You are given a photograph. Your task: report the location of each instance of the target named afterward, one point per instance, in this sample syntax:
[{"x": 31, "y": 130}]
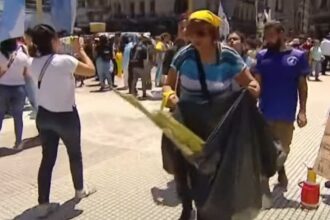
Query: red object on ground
[{"x": 310, "y": 195}]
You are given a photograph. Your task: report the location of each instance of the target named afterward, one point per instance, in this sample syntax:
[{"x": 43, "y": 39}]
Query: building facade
[
  {"x": 163, "y": 12},
  {"x": 144, "y": 15},
  {"x": 320, "y": 17},
  {"x": 244, "y": 17}
]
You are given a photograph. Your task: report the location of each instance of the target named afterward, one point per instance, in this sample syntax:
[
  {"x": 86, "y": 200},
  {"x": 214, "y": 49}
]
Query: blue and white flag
[
  {"x": 224, "y": 28},
  {"x": 12, "y": 19},
  {"x": 63, "y": 14}
]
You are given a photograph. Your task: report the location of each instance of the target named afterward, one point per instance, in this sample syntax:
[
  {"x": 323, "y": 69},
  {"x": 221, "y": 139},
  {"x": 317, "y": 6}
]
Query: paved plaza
[{"x": 122, "y": 159}]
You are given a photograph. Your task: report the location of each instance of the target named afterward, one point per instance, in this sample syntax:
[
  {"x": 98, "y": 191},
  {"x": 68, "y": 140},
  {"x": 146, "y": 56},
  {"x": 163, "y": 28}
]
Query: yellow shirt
[{"x": 119, "y": 61}]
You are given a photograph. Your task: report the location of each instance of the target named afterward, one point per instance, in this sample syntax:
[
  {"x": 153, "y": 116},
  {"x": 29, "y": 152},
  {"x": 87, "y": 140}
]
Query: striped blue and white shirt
[{"x": 219, "y": 76}]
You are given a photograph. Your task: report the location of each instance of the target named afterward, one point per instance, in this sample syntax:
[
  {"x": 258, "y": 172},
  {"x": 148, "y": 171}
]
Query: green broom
[{"x": 188, "y": 142}]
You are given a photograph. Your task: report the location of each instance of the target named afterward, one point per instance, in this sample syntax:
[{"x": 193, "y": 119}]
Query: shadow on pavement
[
  {"x": 93, "y": 85},
  {"x": 166, "y": 197},
  {"x": 280, "y": 202},
  {"x": 5, "y": 151},
  {"x": 26, "y": 144},
  {"x": 65, "y": 212}
]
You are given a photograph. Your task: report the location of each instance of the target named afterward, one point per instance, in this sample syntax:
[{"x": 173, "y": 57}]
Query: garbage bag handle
[{"x": 230, "y": 111}]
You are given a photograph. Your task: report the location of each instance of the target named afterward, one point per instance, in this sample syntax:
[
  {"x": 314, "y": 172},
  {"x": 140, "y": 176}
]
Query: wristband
[{"x": 166, "y": 96}]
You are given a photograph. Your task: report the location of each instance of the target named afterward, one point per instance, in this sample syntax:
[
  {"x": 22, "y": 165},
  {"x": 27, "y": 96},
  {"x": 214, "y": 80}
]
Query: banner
[
  {"x": 12, "y": 19},
  {"x": 63, "y": 14},
  {"x": 225, "y": 28}
]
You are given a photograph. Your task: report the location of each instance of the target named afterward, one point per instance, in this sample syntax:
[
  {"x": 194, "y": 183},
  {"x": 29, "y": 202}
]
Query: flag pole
[
  {"x": 190, "y": 6},
  {"x": 39, "y": 10}
]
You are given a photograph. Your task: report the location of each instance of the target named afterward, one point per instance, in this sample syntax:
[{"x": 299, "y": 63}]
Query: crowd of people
[{"x": 195, "y": 68}]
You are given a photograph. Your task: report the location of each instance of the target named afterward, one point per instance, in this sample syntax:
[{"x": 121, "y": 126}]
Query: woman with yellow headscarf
[{"x": 199, "y": 72}]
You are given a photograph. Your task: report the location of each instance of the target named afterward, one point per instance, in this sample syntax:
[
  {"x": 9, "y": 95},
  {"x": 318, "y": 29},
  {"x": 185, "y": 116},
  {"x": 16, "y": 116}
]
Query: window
[
  {"x": 81, "y": 3},
  {"x": 324, "y": 4},
  {"x": 180, "y": 6},
  {"x": 208, "y": 5},
  {"x": 142, "y": 9},
  {"x": 152, "y": 7},
  {"x": 132, "y": 9},
  {"x": 119, "y": 8},
  {"x": 279, "y": 5}
]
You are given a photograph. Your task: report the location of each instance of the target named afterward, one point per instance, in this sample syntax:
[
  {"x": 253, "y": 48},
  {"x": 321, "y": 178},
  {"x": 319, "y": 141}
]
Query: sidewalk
[{"x": 122, "y": 159}]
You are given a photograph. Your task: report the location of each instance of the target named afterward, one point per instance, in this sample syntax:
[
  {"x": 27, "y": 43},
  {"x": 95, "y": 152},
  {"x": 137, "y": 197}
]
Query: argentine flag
[
  {"x": 63, "y": 14},
  {"x": 12, "y": 19}
]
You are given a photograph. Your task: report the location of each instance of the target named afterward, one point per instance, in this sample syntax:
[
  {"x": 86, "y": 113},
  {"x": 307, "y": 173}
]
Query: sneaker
[
  {"x": 87, "y": 191},
  {"x": 327, "y": 184},
  {"x": 19, "y": 146},
  {"x": 44, "y": 210},
  {"x": 122, "y": 88},
  {"x": 142, "y": 98}
]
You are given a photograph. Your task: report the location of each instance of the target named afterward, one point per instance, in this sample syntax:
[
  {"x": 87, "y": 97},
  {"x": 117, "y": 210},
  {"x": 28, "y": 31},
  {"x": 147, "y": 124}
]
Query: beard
[{"x": 274, "y": 46}]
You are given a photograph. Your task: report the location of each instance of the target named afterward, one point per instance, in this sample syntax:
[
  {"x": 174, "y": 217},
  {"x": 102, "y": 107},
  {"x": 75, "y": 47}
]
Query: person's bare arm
[
  {"x": 2, "y": 72},
  {"x": 170, "y": 84},
  {"x": 170, "y": 80},
  {"x": 25, "y": 72},
  {"x": 258, "y": 78},
  {"x": 303, "y": 94},
  {"x": 85, "y": 66},
  {"x": 246, "y": 80}
]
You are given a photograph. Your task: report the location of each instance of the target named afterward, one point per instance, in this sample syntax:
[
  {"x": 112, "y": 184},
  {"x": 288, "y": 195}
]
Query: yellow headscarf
[{"x": 207, "y": 16}]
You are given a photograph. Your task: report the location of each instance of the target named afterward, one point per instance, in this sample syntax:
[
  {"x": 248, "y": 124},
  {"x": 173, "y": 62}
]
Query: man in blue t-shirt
[{"x": 282, "y": 72}]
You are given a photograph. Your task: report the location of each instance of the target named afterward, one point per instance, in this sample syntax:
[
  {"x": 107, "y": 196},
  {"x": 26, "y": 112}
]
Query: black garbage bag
[{"x": 239, "y": 150}]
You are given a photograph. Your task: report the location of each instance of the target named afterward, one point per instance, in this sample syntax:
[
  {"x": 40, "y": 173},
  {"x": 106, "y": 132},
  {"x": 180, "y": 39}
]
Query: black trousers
[
  {"x": 52, "y": 127},
  {"x": 325, "y": 63},
  {"x": 115, "y": 71},
  {"x": 130, "y": 78}
]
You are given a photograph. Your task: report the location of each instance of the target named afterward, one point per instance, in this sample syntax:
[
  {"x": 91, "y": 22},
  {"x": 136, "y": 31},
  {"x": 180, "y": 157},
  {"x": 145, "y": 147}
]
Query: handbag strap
[
  {"x": 43, "y": 70},
  {"x": 202, "y": 74}
]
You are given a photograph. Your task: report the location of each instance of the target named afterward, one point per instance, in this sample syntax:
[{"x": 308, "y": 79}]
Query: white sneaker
[
  {"x": 87, "y": 191},
  {"x": 19, "y": 146},
  {"x": 44, "y": 210}
]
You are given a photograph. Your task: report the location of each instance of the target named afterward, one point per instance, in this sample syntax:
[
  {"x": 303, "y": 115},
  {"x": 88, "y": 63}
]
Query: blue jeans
[
  {"x": 159, "y": 73},
  {"x": 31, "y": 89},
  {"x": 12, "y": 99},
  {"x": 103, "y": 71},
  {"x": 316, "y": 68}
]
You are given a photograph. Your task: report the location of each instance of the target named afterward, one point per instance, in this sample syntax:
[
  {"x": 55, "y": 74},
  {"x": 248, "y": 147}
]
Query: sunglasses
[{"x": 200, "y": 33}]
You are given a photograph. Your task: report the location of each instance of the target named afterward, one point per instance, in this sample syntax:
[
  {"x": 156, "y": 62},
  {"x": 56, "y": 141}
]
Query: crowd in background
[{"x": 132, "y": 56}]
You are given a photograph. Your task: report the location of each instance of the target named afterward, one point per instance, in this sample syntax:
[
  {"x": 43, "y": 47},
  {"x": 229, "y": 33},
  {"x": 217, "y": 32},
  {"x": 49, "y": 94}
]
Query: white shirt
[
  {"x": 325, "y": 47},
  {"x": 13, "y": 75},
  {"x": 57, "y": 88}
]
